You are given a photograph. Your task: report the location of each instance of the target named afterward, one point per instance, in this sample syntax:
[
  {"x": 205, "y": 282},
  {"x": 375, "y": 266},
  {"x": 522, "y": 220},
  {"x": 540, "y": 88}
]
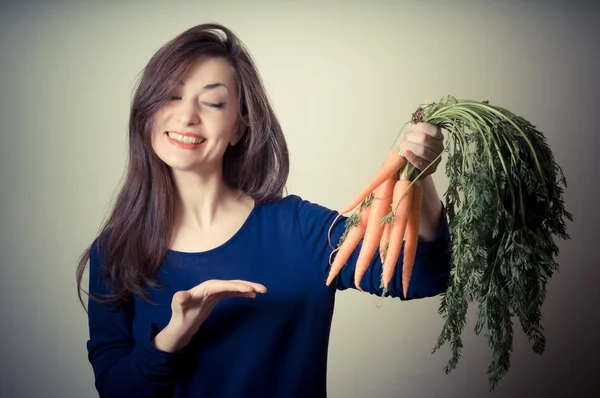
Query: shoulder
[
  {"x": 297, "y": 213},
  {"x": 297, "y": 206},
  {"x": 97, "y": 252}
]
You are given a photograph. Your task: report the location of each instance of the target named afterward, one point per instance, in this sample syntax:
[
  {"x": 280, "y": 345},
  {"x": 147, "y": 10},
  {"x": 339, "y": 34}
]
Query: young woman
[{"x": 206, "y": 281}]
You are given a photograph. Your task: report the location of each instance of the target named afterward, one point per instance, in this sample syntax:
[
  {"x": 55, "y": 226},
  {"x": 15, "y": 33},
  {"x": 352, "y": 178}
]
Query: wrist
[
  {"x": 431, "y": 210},
  {"x": 172, "y": 338}
]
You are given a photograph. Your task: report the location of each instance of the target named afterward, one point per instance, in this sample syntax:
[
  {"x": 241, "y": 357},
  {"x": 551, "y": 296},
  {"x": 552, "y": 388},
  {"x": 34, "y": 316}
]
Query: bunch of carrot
[
  {"x": 388, "y": 210},
  {"x": 504, "y": 204}
]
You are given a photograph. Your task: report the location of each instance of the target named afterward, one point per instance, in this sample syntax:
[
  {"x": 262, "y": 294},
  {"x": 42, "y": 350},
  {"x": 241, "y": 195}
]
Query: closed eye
[{"x": 217, "y": 105}]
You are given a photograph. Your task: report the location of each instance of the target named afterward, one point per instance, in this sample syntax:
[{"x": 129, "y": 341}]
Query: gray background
[{"x": 343, "y": 79}]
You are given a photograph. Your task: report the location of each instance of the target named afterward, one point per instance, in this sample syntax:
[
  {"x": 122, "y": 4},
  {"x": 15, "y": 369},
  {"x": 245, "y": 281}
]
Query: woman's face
[{"x": 192, "y": 131}]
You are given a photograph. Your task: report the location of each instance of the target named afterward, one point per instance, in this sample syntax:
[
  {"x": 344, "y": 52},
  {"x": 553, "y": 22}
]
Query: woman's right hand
[{"x": 190, "y": 308}]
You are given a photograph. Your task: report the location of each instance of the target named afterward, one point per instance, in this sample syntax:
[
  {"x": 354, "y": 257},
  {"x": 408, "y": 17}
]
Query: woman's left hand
[{"x": 421, "y": 144}]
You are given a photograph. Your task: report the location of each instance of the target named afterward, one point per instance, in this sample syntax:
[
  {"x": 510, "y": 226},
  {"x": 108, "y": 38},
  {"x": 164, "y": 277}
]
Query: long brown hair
[{"x": 136, "y": 235}]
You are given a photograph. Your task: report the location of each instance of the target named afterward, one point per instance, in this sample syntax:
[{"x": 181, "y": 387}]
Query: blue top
[{"x": 275, "y": 345}]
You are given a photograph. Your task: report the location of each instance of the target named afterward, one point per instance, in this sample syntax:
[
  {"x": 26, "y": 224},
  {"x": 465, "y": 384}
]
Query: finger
[
  {"x": 419, "y": 163},
  {"x": 256, "y": 285},
  {"x": 426, "y": 154},
  {"x": 259, "y": 288},
  {"x": 223, "y": 295},
  {"x": 429, "y": 129},
  {"x": 225, "y": 287},
  {"x": 431, "y": 147},
  {"x": 422, "y": 137},
  {"x": 181, "y": 301},
  {"x": 212, "y": 298},
  {"x": 182, "y": 298},
  {"x": 216, "y": 288},
  {"x": 208, "y": 298}
]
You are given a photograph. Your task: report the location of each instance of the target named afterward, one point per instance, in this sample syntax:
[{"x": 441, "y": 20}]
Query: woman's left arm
[{"x": 321, "y": 229}]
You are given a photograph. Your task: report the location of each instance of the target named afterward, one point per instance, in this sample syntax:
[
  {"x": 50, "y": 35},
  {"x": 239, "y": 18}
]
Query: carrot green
[{"x": 504, "y": 204}]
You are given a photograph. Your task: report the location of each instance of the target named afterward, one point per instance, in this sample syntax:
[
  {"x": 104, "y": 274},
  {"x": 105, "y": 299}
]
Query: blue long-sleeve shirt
[{"x": 275, "y": 345}]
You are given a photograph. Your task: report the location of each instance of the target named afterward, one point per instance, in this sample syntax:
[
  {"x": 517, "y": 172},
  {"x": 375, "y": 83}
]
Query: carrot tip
[{"x": 330, "y": 279}]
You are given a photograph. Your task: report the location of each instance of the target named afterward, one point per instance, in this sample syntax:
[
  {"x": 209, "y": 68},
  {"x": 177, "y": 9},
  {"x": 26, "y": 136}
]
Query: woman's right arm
[{"x": 123, "y": 367}]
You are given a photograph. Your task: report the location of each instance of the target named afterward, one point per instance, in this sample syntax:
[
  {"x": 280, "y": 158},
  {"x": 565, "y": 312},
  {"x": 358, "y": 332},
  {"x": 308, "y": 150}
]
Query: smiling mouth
[{"x": 186, "y": 138}]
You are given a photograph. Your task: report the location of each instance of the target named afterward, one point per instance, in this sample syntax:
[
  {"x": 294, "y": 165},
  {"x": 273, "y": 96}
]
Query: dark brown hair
[{"x": 136, "y": 235}]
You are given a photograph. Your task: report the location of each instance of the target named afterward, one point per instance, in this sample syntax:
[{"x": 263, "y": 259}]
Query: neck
[{"x": 200, "y": 198}]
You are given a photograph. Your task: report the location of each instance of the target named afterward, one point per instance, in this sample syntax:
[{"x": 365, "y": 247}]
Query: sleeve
[
  {"x": 122, "y": 365},
  {"x": 430, "y": 272}
]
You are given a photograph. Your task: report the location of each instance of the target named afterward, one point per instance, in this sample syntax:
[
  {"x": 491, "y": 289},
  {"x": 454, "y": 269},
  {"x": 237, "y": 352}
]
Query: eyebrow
[{"x": 210, "y": 86}]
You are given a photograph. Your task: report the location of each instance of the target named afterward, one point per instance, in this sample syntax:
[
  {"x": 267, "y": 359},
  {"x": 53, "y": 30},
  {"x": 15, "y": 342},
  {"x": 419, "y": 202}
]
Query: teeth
[{"x": 185, "y": 139}]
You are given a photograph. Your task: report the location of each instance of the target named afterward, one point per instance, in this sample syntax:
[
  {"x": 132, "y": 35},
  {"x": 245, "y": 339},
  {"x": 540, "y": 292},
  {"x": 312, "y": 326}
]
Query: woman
[{"x": 206, "y": 281}]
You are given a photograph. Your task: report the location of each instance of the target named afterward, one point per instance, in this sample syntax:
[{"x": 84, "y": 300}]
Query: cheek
[
  {"x": 155, "y": 139},
  {"x": 235, "y": 128},
  {"x": 157, "y": 133},
  {"x": 158, "y": 143}
]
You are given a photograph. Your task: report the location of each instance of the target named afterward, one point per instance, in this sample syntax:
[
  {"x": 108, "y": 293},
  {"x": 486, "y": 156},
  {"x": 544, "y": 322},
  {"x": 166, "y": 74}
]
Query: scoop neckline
[{"x": 225, "y": 244}]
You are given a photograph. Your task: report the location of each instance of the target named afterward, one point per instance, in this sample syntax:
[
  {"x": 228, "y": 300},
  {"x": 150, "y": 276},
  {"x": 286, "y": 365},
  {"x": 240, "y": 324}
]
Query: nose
[{"x": 188, "y": 114}]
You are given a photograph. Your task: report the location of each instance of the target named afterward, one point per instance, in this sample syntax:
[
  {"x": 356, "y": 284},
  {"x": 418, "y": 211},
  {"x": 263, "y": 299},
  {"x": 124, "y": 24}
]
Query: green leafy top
[{"x": 504, "y": 203}]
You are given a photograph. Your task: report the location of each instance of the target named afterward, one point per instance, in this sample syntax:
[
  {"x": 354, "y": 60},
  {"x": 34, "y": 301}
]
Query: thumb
[{"x": 182, "y": 298}]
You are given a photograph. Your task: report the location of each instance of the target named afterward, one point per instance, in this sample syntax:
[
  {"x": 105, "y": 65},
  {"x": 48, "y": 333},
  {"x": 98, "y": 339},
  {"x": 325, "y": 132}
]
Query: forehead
[{"x": 209, "y": 70}]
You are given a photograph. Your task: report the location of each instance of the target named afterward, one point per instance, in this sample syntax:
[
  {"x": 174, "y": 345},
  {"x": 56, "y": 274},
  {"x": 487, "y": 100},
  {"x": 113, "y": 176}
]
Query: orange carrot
[
  {"x": 412, "y": 235},
  {"x": 385, "y": 240},
  {"x": 385, "y": 236},
  {"x": 392, "y": 164},
  {"x": 382, "y": 199},
  {"x": 355, "y": 234},
  {"x": 401, "y": 202}
]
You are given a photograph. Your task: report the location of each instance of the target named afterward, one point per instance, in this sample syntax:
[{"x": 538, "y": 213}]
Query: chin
[{"x": 180, "y": 165}]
